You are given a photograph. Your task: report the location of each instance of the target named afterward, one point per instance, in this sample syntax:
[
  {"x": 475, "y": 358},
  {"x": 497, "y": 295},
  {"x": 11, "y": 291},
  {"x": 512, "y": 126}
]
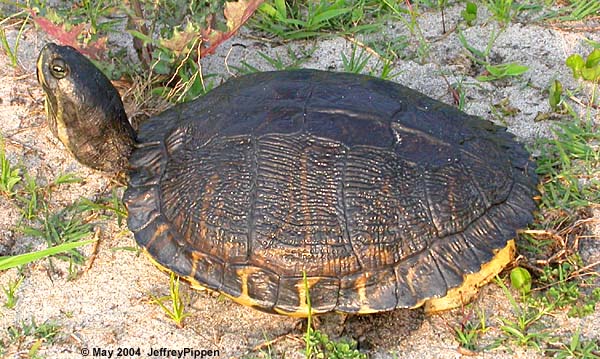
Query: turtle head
[{"x": 84, "y": 110}]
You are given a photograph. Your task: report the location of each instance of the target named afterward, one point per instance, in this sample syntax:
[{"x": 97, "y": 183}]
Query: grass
[
  {"x": 62, "y": 231},
  {"x": 29, "y": 201},
  {"x": 64, "y": 226},
  {"x": 479, "y": 56},
  {"x": 62, "y": 235},
  {"x": 12, "y": 52},
  {"x": 293, "y": 59},
  {"x": 28, "y": 337},
  {"x": 575, "y": 10},
  {"x": 491, "y": 72},
  {"x": 527, "y": 327},
  {"x": 303, "y": 20},
  {"x": 576, "y": 347},
  {"x": 10, "y": 291},
  {"x": 357, "y": 61},
  {"x": 176, "y": 310},
  {"x": 47, "y": 331},
  {"x": 568, "y": 166},
  {"x": 310, "y": 344},
  {"x": 10, "y": 175},
  {"x": 564, "y": 288},
  {"x": 111, "y": 207},
  {"x": 504, "y": 11},
  {"x": 469, "y": 332},
  {"x": 400, "y": 14}
]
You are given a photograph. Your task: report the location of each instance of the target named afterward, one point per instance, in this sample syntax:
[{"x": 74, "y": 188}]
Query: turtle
[{"x": 362, "y": 193}]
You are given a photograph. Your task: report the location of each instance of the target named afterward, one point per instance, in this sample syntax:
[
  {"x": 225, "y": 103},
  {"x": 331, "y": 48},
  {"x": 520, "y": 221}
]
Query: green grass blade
[
  {"x": 8, "y": 262},
  {"x": 328, "y": 15},
  {"x": 281, "y": 8}
]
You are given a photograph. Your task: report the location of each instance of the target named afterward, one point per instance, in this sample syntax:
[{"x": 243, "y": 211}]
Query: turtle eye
[{"x": 58, "y": 68}]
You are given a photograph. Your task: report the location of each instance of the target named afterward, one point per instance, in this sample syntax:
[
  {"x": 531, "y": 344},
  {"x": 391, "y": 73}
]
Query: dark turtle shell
[{"x": 381, "y": 195}]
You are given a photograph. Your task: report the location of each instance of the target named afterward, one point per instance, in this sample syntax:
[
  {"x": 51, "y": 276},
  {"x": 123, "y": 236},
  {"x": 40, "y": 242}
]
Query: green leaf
[
  {"x": 267, "y": 9},
  {"x": 503, "y": 70},
  {"x": 515, "y": 69},
  {"x": 145, "y": 38},
  {"x": 162, "y": 67},
  {"x": 67, "y": 178},
  {"x": 495, "y": 70},
  {"x": 520, "y": 279},
  {"x": 555, "y": 92},
  {"x": 477, "y": 53},
  {"x": 593, "y": 58},
  {"x": 575, "y": 63},
  {"x": 591, "y": 74}
]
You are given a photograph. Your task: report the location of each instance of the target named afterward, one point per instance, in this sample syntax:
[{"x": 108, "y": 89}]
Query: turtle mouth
[
  {"x": 41, "y": 66},
  {"x": 39, "y": 72}
]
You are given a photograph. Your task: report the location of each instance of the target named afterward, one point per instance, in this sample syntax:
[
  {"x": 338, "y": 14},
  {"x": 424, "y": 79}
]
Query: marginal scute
[
  {"x": 324, "y": 293},
  {"x": 291, "y": 295},
  {"x": 368, "y": 292},
  {"x": 405, "y": 291},
  {"x": 207, "y": 270},
  {"x": 143, "y": 206},
  {"x": 451, "y": 263},
  {"x": 464, "y": 293},
  {"x": 473, "y": 241},
  {"x": 253, "y": 286},
  {"x": 158, "y": 239},
  {"x": 423, "y": 276},
  {"x": 456, "y": 256}
]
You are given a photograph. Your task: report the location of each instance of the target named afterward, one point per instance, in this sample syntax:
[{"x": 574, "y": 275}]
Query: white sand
[{"x": 108, "y": 307}]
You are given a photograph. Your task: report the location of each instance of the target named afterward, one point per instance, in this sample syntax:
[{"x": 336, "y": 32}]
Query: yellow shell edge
[
  {"x": 455, "y": 297},
  {"x": 462, "y": 295}
]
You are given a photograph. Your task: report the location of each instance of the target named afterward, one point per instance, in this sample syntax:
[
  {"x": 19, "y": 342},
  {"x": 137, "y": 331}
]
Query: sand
[{"x": 109, "y": 306}]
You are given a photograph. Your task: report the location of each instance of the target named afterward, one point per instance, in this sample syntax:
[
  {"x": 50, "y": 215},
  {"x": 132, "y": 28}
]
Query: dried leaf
[
  {"x": 236, "y": 13},
  {"x": 180, "y": 40}
]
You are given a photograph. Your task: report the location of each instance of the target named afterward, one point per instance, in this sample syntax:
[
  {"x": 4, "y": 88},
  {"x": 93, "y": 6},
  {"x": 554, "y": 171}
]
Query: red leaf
[{"x": 58, "y": 32}]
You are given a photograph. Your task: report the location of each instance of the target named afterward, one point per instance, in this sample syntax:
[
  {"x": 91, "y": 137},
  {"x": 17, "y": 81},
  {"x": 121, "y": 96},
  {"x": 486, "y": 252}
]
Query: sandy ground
[{"x": 108, "y": 306}]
